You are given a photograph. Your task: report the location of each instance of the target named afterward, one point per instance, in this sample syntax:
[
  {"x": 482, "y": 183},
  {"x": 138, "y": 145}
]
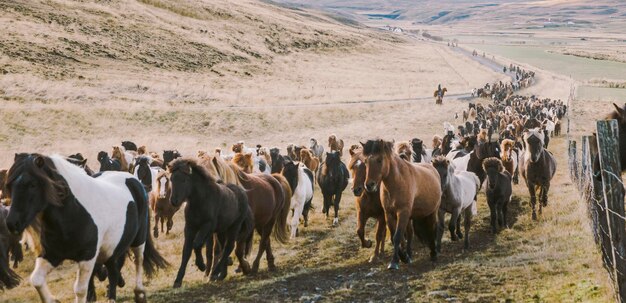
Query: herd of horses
[{"x": 98, "y": 218}]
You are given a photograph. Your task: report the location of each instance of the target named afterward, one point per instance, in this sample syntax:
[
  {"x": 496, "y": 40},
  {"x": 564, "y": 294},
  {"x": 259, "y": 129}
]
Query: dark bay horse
[
  {"x": 482, "y": 151},
  {"x": 332, "y": 178},
  {"x": 499, "y": 190},
  {"x": 212, "y": 207},
  {"x": 407, "y": 191},
  {"x": 537, "y": 166},
  {"x": 108, "y": 164},
  {"x": 368, "y": 205}
]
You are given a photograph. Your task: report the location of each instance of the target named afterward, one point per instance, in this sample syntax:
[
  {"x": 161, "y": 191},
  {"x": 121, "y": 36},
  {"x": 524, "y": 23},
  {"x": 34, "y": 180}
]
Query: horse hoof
[
  {"x": 177, "y": 284},
  {"x": 156, "y": 234},
  {"x": 393, "y": 266},
  {"x": 271, "y": 267},
  {"x": 201, "y": 266},
  {"x": 238, "y": 269},
  {"x": 335, "y": 221},
  {"x": 405, "y": 258},
  {"x": 121, "y": 282},
  {"x": 373, "y": 259},
  {"x": 140, "y": 296},
  {"x": 368, "y": 244},
  {"x": 454, "y": 238},
  {"x": 230, "y": 261},
  {"x": 306, "y": 223},
  {"x": 534, "y": 216},
  {"x": 244, "y": 268}
]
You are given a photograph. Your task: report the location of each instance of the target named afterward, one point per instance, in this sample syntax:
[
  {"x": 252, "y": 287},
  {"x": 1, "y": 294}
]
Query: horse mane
[
  {"x": 482, "y": 135},
  {"x": 142, "y": 150},
  {"x": 405, "y": 150},
  {"x": 305, "y": 154},
  {"x": 55, "y": 188},
  {"x": 243, "y": 160},
  {"x": 118, "y": 153},
  {"x": 184, "y": 164},
  {"x": 356, "y": 156},
  {"x": 355, "y": 148},
  {"x": 493, "y": 162},
  {"x": 504, "y": 146},
  {"x": 380, "y": 146}
]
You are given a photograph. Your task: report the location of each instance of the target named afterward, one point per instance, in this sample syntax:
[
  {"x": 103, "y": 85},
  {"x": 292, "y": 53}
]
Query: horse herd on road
[{"x": 97, "y": 218}]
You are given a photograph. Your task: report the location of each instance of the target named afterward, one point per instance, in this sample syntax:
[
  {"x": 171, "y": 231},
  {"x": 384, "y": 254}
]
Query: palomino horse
[
  {"x": 160, "y": 204},
  {"x": 498, "y": 191},
  {"x": 300, "y": 181},
  {"x": 270, "y": 207},
  {"x": 407, "y": 191},
  {"x": 368, "y": 205},
  {"x": 219, "y": 169},
  {"x": 439, "y": 95},
  {"x": 212, "y": 207},
  {"x": 332, "y": 178},
  {"x": 89, "y": 220},
  {"x": 459, "y": 189},
  {"x": 537, "y": 166}
]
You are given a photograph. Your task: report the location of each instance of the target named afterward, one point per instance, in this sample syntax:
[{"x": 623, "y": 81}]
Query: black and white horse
[{"x": 92, "y": 221}]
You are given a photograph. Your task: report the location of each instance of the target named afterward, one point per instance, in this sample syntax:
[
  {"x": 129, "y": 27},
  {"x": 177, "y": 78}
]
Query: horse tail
[
  {"x": 477, "y": 182},
  {"x": 152, "y": 259},
  {"x": 281, "y": 233}
]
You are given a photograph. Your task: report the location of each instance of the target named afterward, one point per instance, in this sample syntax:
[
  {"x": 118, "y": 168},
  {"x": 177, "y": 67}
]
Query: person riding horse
[{"x": 439, "y": 91}]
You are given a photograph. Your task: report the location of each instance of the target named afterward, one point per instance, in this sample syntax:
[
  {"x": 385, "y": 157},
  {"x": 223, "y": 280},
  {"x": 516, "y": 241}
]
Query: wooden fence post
[
  {"x": 613, "y": 191},
  {"x": 586, "y": 173},
  {"x": 573, "y": 163}
]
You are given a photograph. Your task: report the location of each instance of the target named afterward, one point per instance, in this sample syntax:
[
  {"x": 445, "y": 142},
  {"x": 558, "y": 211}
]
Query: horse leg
[
  {"x": 209, "y": 254},
  {"x": 222, "y": 265},
  {"x": 544, "y": 194},
  {"x": 187, "y": 248},
  {"x": 391, "y": 223},
  {"x": 493, "y": 210},
  {"x": 427, "y": 229},
  {"x": 270, "y": 256},
  {"x": 361, "y": 219},
  {"x": 336, "y": 205},
  {"x": 155, "y": 229},
  {"x": 407, "y": 254},
  {"x": 327, "y": 201},
  {"x": 441, "y": 215},
  {"x": 91, "y": 288},
  {"x": 458, "y": 227},
  {"x": 452, "y": 225},
  {"x": 85, "y": 268},
  {"x": 295, "y": 219},
  {"x": 170, "y": 224},
  {"x": 263, "y": 232},
  {"x": 467, "y": 222},
  {"x": 504, "y": 209},
  {"x": 38, "y": 279},
  {"x": 241, "y": 258},
  {"x": 113, "y": 273},
  {"x": 381, "y": 231},
  {"x": 533, "y": 199},
  {"x": 140, "y": 291}
]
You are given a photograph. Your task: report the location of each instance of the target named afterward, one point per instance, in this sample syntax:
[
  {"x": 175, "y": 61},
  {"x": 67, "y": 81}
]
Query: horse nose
[{"x": 357, "y": 190}]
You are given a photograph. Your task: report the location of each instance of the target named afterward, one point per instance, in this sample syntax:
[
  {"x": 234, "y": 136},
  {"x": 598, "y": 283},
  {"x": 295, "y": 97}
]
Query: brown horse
[
  {"x": 160, "y": 204},
  {"x": 310, "y": 161},
  {"x": 244, "y": 161},
  {"x": 537, "y": 166},
  {"x": 118, "y": 154},
  {"x": 408, "y": 192},
  {"x": 270, "y": 206},
  {"x": 335, "y": 144},
  {"x": 405, "y": 150},
  {"x": 368, "y": 205}
]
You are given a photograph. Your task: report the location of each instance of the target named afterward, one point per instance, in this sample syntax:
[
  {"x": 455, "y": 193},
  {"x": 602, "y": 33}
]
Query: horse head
[
  {"x": 534, "y": 144},
  {"x": 181, "y": 171},
  {"x": 164, "y": 187},
  {"x": 444, "y": 168},
  {"x": 492, "y": 167},
  {"x": 33, "y": 183},
  {"x": 378, "y": 154},
  {"x": 358, "y": 170}
]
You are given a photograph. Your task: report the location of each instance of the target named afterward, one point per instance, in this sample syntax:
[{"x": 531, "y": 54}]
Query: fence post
[
  {"x": 613, "y": 191},
  {"x": 573, "y": 163},
  {"x": 586, "y": 173}
]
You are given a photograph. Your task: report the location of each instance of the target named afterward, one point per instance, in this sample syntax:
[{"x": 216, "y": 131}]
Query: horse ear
[
  {"x": 190, "y": 170},
  {"x": 38, "y": 161},
  {"x": 83, "y": 162},
  {"x": 620, "y": 111},
  {"x": 351, "y": 152}
]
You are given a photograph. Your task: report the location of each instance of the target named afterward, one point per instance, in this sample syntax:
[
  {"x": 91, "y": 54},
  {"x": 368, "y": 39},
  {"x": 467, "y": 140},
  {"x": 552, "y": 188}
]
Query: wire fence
[{"x": 597, "y": 174}]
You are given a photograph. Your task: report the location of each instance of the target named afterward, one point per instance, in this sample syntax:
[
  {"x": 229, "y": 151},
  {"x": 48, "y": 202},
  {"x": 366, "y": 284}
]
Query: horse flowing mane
[
  {"x": 506, "y": 145},
  {"x": 372, "y": 147},
  {"x": 185, "y": 164},
  {"x": 44, "y": 170},
  {"x": 493, "y": 162}
]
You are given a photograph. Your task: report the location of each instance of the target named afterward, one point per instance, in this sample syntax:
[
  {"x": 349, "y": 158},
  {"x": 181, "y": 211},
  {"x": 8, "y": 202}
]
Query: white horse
[
  {"x": 300, "y": 180},
  {"x": 459, "y": 189},
  {"x": 460, "y": 163}
]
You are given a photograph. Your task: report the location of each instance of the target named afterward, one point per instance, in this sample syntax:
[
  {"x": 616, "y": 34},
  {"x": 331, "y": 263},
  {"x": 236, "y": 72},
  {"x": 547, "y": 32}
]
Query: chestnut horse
[
  {"x": 368, "y": 205},
  {"x": 270, "y": 206},
  {"x": 160, "y": 203},
  {"x": 408, "y": 192},
  {"x": 335, "y": 144},
  {"x": 310, "y": 161}
]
